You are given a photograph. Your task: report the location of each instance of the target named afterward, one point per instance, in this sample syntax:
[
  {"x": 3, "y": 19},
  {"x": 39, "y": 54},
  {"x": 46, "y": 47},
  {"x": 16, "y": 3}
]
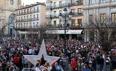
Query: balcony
[
  {"x": 66, "y": 5},
  {"x": 76, "y": 14},
  {"x": 76, "y": 26},
  {"x": 57, "y": 6},
  {"x": 35, "y": 19},
  {"x": 17, "y": 20},
  {"x": 55, "y": 16},
  {"x": 52, "y": 16},
  {"x": 25, "y": 13},
  {"x": 76, "y": 3},
  {"x": 60, "y": 26},
  {"x": 27, "y": 20},
  {"x": 25, "y": 26},
  {"x": 49, "y": 5},
  {"x": 50, "y": 26}
]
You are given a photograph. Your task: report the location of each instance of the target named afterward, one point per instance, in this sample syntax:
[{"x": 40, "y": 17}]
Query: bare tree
[
  {"x": 2, "y": 30},
  {"x": 104, "y": 31}
]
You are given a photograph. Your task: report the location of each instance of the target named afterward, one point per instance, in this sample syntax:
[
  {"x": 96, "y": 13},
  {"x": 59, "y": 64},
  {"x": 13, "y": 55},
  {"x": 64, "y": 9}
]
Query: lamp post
[{"x": 65, "y": 16}]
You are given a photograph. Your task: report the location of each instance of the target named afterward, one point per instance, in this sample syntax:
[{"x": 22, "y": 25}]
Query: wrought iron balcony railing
[
  {"x": 76, "y": 14},
  {"x": 27, "y": 20},
  {"x": 62, "y": 5},
  {"x": 52, "y": 16},
  {"x": 60, "y": 26}
]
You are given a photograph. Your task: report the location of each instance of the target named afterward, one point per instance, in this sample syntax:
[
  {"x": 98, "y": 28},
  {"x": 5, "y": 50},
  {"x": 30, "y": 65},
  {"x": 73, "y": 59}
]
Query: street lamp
[{"x": 66, "y": 16}]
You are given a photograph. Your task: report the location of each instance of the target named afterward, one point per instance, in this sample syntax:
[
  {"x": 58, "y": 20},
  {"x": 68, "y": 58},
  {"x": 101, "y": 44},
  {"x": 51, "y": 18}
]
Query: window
[
  {"x": 103, "y": 18},
  {"x": 37, "y": 17},
  {"x": 60, "y": 11},
  {"x": 113, "y": 15},
  {"x": 50, "y": 2},
  {"x": 103, "y": 1},
  {"x": 11, "y": 2},
  {"x": 30, "y": 10},
  {"x": 79, "y": 22},
  {"x": 24, "y": 11},
  {"x": 55, "y": 23},
  {"x": 37, "y": 9},
  {"x": 19, "y": 2},
  {"x": 73, "y": 10},
  {"x": 27, "y": 16},
  {"x": 91, "y": 34},
  {"x": 90, "y": 19},
  {"x": 16, "y": 25},
  {"x": 24, "y": 25},
  {"x": 80, "y": 2},
  {"x": 60, "y": 3},
  {"x": 73, "y": 22},
  {"x": 60, "y": 21},
  {"x": 54, "y": 13},
  {"x": 21, "y": 18},
  {"x": 19, "y": 12},
  {"x": 34, "y": 10},
  {"x": 54, "y": 4},
  {"x": 92, "y": 2},
  {"x": 37, "y": 23},
  {"x": 33, "y": 16},
  {"x": 27, "y": 11},
  {"x": 24, "y": 17},
  {"x": 21, "y": 25},
  {"x": 79, "y": 10},
  {"x": 30, "y": 17},
  {"x": 33, "y": 25}
]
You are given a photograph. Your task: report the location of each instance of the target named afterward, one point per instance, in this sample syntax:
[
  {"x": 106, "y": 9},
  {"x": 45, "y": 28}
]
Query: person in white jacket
[{"x": 37, "y": 68}]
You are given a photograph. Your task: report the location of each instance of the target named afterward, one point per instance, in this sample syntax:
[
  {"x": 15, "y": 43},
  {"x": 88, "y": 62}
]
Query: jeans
[{"x": 99, "y": 67}]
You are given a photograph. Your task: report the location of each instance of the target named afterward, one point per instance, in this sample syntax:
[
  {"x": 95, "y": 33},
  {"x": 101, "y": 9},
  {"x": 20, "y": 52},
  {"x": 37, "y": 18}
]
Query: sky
[{"x": 27, "y": 2}]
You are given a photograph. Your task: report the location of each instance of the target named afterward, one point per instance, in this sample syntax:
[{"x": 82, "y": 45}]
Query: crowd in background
[{"x": 74, "y": 56}]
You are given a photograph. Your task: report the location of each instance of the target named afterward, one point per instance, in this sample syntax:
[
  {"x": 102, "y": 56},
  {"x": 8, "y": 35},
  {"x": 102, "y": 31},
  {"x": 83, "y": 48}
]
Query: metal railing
[
  {"x": 29, "y": 12},
  {"x": 60, "y": 26},
  {"x": 53, "y": 16},
  {"x": 27, "y": 20},
  {"x": 76, "y": 3},
  {"x": 76, "y": 14},
  {"x": 62, "y": 5}
]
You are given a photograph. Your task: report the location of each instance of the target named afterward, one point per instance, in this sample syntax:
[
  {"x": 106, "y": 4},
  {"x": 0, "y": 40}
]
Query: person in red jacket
[
  {"x": 17, "y": 60},
  {"x": 74, "y": 64}
]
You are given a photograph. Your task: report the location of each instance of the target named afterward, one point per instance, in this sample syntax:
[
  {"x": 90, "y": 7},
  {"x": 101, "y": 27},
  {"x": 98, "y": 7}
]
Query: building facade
[
  {"x": 77, "y": 13},
  {"x": 55, "y": 7},
  {"x": 99, "y": 19},
  {"x": 7, "y": 7},
  {"x": 30, "y": 18}
]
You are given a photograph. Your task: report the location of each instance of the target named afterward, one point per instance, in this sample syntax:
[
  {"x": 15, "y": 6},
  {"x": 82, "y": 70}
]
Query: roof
[{"x": 32, "y": 5}]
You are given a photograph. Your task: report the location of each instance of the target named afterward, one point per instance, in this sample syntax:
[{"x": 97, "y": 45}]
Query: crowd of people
[
  {"x": 74, "y": 56},
  {"x": 81, "y": 56}
]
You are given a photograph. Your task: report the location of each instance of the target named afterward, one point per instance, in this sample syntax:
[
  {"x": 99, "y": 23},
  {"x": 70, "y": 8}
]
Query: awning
[
  {"x": 27, "y": 32},
  {"x": 62, "y": 31}
]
